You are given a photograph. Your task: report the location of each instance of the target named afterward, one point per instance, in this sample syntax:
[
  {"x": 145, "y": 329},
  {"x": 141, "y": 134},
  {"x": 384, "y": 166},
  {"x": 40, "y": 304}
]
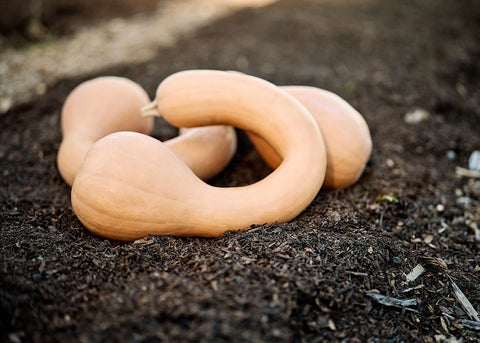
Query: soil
[{"x": 316, "y": 278}]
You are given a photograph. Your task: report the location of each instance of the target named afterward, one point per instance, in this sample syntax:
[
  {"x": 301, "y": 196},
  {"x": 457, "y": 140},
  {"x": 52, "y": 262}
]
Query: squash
[
  {"x": 110, "y": 104},
  {"x": 206, "y": 150},
  {"x": 344, "y": 130},
  {"x": 93, "y": 110},
  {"x": 131, "y": 185}
]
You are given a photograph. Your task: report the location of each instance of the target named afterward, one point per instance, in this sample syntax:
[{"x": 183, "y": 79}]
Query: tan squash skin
[
  {"x": 206, "y": 150},
  {"x": 93, "y": 110},
  {"x": 345, "y": 133},
  {"x": 130, "y": 185},
  {"x": 104, "y": 105}
]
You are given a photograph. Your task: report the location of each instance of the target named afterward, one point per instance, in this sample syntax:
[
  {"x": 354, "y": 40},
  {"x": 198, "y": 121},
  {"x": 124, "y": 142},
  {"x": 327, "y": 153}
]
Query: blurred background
[
  {"x": 36, "y": 19},
  {"x": 42, "y": 41}
]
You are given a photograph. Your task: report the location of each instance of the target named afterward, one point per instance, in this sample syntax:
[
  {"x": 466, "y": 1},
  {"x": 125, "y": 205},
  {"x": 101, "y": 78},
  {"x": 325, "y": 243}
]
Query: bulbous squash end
[{"x": 70, "y": 156}]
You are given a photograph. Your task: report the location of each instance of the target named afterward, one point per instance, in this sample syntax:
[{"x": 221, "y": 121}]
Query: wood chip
[
  {"x": 444, "y": 323},
  {"x": 469, "y": 324},
  {"x": 394, "y": 302},
  {"x": 214, "y": 284},
  {"x": 467, "y": 172},
  {"x": 331, "y": 325},
  {"x": 435, "y": 262},
  {"x": 464, "y": 302},
  {"x": 143, "y": 241},
  {"x": 415, "y": 273},
  {"x": 475, "y": 229},
  {"x": 413, "y": 288},
  {"x": 356, "y": 273},
  {"x": 41, "y": 269}
]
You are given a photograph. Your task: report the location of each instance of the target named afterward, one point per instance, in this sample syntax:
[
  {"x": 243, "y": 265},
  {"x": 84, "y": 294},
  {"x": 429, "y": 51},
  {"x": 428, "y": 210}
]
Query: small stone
[
  {"x": 390, "y": 163},
  {"x": 416, "y": 116},
  {"x": 440, "y": 208},
  {"x": 451, "y": 155},
  {"x": 474, "y": 161}
]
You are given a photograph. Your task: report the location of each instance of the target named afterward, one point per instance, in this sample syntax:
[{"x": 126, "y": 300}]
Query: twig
[
  {"x": 389, "y": 301},
  {"x": 356, "y": 273},
  {"x": 415, "y": 273},
  {"x": 413, "y": 288},
  {"x": 464, "y": 302},
  {"x": 469, "y": 324},
  {"x": 467, "y": 172}
]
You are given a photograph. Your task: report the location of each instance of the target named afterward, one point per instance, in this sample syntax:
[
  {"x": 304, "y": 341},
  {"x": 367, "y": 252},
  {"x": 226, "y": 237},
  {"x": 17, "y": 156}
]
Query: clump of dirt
[{"x": 338, "y": 272}]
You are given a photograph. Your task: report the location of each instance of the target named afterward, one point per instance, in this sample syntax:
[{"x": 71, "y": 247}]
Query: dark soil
[{"x": 303, "y": 281}]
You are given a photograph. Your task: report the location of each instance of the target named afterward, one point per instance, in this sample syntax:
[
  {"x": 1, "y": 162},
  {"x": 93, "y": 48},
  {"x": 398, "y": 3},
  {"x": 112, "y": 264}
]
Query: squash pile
[{"x": 127, "y": 184}]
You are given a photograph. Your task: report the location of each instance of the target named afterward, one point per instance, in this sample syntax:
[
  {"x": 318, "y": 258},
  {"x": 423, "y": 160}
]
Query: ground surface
[{"x": 313, "y": 279}]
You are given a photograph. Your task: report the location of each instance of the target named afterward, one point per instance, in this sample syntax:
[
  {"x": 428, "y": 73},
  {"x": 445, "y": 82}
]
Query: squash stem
[{"x": 150, "y": 110}]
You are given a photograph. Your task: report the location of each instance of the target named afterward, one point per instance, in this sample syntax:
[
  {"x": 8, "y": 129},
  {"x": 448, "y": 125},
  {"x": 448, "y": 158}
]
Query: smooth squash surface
[
  {"x": 93, "y": 110},
  {"x": 346, "y": 135},
  {"x": 109, "y": 104},
  {"x": 131, "y": 185},
  {"x": 206, "y": 150}
]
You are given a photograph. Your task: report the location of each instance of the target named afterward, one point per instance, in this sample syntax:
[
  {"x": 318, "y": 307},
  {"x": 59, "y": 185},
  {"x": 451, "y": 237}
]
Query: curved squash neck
[{"x": 260, "y": 107}]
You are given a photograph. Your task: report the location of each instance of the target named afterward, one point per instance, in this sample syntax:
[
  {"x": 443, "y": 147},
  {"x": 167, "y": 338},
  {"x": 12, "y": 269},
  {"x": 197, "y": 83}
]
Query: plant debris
[
  {"x": 389, "y": 301},
  {"x": 460, "y": 171},
  {"x": 464, "y": 302},
  {"x": 415, "y": 273}
]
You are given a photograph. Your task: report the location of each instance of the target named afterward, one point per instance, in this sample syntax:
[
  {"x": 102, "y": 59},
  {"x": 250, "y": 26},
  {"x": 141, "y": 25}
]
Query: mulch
[{"x": 340, "y": 270}]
